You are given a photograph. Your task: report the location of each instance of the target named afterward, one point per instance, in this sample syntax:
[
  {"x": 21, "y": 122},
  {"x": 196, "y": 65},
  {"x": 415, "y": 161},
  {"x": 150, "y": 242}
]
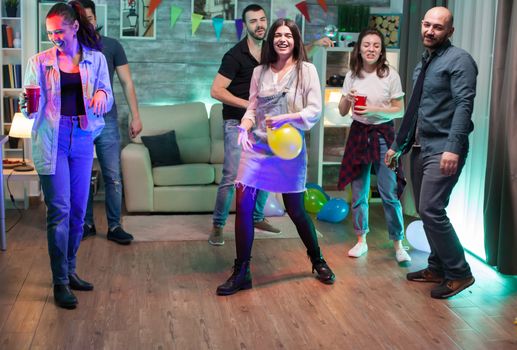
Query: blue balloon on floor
[
  {"x": 317, "y": 187},
  {"x": 335, "y": 210}
]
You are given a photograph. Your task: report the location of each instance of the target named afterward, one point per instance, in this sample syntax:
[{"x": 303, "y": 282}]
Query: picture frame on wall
[
  {"x": 225, "y": 9},
  {"x": 287, "y": 9},
  {"x": 389, "y": 25},
  {"x": 134, "y": 22}
]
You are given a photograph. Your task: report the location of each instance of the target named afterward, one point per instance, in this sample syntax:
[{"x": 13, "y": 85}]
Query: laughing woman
[
  {"x": 75, "y": 94},
  {"x": 286, "y": 87}
]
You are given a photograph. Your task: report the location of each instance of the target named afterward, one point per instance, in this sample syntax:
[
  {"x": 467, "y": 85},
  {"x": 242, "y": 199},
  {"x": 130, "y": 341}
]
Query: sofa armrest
[{"x": 138, "y": 178}]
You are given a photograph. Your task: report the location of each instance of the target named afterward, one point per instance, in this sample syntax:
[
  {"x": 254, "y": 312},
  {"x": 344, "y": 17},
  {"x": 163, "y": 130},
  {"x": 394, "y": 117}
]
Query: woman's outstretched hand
[{"x": 243, "y": 139}]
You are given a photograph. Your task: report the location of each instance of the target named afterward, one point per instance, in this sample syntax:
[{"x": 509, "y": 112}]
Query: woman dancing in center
[{"x": 286, "y": 87}]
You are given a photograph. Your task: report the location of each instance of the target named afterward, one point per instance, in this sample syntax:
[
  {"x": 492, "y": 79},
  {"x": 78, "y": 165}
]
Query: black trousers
[{"x": 244, "y": 230}]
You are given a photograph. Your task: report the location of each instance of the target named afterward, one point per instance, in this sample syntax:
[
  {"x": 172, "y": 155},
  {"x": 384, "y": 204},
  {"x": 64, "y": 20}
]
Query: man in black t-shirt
[
  {"x": 107, "y": 144},
  {"x": 231, "y": 86}
]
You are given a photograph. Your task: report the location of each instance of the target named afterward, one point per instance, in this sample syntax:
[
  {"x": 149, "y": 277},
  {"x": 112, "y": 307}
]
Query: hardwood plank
[
  {"x": 15, "y": 341},
  {"x": 24, "y": 317}
]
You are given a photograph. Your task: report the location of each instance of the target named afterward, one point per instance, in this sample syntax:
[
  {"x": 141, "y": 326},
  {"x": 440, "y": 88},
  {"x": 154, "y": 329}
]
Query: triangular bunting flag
[
  {"x": 175, "y": 14},
  {"x": 152, "y": 6},
  {"x": 218, "y": 22},
  {"x": 304, "y": 9},
  {"x": 196, "y": 21},
  {"x": 238, "y": 27},
  {"x": 323, "y": 5}
]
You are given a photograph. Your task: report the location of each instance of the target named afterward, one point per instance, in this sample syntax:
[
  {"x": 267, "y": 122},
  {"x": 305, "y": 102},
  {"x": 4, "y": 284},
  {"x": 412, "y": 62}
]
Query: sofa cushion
[
  {"x": 183, "y": 175},
  {"x": 163, "y": 149},
  {"x": 188, "y": 120}
]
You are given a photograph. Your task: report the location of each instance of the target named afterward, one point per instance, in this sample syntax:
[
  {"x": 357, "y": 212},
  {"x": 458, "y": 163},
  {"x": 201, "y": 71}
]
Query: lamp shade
[{"x": 21, "y": 127}]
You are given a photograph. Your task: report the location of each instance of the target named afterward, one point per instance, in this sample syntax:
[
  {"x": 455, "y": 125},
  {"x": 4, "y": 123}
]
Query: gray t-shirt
[{"x": 115, "y": 56}]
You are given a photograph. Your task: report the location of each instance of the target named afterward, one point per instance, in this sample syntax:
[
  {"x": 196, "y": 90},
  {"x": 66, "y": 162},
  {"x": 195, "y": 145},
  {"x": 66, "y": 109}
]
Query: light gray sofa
[{"x": 188, "y": 187}]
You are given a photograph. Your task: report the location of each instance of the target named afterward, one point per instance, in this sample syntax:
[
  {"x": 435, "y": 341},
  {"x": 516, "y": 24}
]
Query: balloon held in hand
[{"x": 285, "y": 142}]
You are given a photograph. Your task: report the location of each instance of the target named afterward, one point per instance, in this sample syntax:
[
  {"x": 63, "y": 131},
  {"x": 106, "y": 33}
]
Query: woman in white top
[
  {"x": 371, "y": 134},
  {"x": 286, "y": 87}
]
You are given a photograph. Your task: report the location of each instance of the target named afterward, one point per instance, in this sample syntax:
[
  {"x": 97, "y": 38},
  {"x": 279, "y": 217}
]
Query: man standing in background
[{"x": 107, "y": 144}]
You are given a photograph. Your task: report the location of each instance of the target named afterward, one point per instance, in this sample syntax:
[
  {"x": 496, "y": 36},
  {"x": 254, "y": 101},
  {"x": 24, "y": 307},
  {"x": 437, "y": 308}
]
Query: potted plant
[{"x": 11, "y": 7}]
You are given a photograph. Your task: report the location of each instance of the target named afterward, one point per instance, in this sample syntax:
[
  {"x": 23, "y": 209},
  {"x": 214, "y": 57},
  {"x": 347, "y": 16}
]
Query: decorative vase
[{"x": 17, "y": 42}]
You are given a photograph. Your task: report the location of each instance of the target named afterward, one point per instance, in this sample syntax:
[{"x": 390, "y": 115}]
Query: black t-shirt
[
  {"x": 115, "y": 56},
  {"x": 237, "y": 65}
]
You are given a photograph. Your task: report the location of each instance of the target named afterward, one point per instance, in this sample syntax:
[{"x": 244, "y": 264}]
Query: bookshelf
[
  {"x": 25, "y": 24},
  {"x": 12, "y": 63}
]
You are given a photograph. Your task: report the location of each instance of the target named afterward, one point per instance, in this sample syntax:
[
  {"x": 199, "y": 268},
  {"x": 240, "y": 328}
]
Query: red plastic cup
[
  {"x": 33, "y": 93},
  {"x": 359, "y": 100}
]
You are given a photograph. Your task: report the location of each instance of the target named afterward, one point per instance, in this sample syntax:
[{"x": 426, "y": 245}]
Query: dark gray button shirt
[{"x": 445, "y": 111}]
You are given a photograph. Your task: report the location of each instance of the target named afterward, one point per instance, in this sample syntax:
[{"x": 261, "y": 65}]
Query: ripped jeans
[{"x": 107, "y": 146}]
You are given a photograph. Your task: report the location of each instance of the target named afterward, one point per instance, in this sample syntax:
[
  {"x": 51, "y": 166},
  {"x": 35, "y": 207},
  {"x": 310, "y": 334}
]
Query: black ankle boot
[
  {"x": 76, "y": 283},
  {"x": 324, "y": 273},
  {"x": 239, "y": 280},
  {"x": 64, "y": 297}
]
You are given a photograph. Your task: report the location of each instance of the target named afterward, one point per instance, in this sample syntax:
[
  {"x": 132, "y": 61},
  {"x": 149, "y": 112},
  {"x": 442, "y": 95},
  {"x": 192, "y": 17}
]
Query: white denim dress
[{"x": 260, "y": 168}]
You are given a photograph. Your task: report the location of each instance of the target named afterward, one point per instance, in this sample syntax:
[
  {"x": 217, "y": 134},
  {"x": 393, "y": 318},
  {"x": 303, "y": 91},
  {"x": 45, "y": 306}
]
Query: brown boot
[
  {"x": 449, "y": 288},
  {"x": 425, "y": 275}
]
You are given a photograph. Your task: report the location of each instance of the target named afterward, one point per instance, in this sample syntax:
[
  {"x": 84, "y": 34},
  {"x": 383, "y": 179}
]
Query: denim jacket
[{"x": 43, "y": 70}]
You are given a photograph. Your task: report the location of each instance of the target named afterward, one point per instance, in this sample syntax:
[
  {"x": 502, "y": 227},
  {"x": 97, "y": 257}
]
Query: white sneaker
[
  {"x": 359, "y": 249},
  {"x": 401, "y": 255}
]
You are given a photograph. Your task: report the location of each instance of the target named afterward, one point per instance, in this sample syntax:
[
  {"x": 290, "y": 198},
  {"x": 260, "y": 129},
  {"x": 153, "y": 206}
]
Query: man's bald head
[
  {"x": 441, "y": 12},
  {"x": 437, "y": 27}
]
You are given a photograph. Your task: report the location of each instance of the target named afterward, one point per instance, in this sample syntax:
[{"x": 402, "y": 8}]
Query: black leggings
[{"x": 244, "y": 230}]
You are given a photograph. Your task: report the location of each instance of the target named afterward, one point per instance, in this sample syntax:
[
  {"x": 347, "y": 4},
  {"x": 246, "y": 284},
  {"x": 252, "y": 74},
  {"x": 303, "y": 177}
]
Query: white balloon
[
  {"x": 415, "y": 235},
  {"x": 332, "y": 115},
  {"x": 273, "y": 206}
]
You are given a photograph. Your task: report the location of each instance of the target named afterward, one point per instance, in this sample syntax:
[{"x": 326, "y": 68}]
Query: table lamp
[{"x": 21, "y": 127}]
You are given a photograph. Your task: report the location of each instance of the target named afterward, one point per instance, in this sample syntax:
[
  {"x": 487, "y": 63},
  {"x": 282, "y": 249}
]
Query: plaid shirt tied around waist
[{"x": 362, "y": 147}]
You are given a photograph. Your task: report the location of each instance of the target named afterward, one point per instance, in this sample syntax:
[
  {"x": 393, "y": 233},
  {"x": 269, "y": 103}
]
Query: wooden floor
[{"x": 162, "y": 296}]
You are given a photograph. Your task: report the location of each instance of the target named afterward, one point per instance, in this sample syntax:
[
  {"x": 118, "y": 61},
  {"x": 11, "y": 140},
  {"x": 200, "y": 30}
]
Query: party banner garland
[{"x": 218, "y": 23}]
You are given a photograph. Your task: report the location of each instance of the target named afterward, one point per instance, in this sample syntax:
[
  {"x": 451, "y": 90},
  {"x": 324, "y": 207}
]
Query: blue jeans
[
  {"x": 107, "y": 145},
  {"x": 66, "y": 195},
  {"x": 387, "y": 185},
  {"x": 447, "y": 255},
  {"x": 226, "y": 189}
]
